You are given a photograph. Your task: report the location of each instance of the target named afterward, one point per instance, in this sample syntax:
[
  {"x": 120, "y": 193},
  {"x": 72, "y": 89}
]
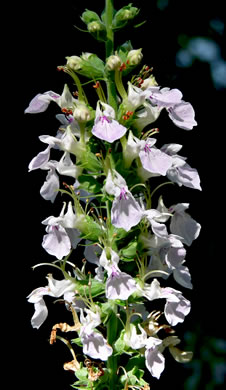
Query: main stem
[
  {"x": 109, "y": 46},
  {"x": 112, "y": 363}
]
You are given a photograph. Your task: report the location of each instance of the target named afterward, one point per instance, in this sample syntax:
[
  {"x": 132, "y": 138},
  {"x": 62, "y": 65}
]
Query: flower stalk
[{"x": 130, "y": 239}]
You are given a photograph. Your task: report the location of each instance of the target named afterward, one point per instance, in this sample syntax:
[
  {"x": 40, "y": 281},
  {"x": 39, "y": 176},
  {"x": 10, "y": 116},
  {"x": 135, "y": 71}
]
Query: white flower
[
  {"x": 133, "y": 339},
  {"x": 126, "y": 211},
  {"x": 154, "y": 359},
  {"x": 55, "y": 288},
  {"x": 105, "y": 126},
  {"x": 62, "y": 234},
  {"x": 176, "y": 307}
]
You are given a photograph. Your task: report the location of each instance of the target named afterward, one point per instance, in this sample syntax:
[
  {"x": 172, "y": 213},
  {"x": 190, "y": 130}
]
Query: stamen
[
  {"x": 97, "y": 85},
  {"x": 122, "y": 67}
]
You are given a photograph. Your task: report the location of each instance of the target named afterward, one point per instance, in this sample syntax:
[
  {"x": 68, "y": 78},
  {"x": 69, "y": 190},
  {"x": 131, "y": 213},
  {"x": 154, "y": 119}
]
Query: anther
[
  {"x": 97, "y": 85},
  {"x": 122, "y": 67}
]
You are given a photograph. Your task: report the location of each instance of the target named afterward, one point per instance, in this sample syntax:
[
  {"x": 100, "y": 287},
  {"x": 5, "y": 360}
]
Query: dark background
[{"x": 44, "y": 36}]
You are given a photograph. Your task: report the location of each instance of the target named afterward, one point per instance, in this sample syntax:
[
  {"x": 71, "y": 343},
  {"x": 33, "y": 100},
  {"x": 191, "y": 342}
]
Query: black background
[{"x": 44, "y": 34}]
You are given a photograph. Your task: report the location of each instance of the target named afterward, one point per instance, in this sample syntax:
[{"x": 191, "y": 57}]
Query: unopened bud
[
  {"x": 74, "y": 62},
  {"x": 95, "y": 26},
  {"x": 82, "y": 113},
  {"x": 134, "y": 57},
  {"x": 113, "y": 62}
]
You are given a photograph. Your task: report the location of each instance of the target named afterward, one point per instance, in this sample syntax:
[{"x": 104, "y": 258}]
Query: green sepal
[
  {"x": 106, "y": 310},
  {"x": 90, "y": 16},
  {"x": 93, "y": 67},
  {"x": 133, "y": 377},
  {"x": 129, "y": 252},
  {"x": 123, "y": 50},
  {"x": 89, "y": 229},
  {"x": 77, "y": 341},
  {"x": 90, "y": 162},
  {"x": 120, "y": 344},
  {"x": 123, "y": 16}
]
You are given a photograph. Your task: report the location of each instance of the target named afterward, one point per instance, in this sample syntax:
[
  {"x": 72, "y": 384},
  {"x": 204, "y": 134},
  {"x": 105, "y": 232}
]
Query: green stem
[
  {"x": 109, "y": 10},
  {"x": 109, "y": 47},
  {"x": 112, "y": 363}
]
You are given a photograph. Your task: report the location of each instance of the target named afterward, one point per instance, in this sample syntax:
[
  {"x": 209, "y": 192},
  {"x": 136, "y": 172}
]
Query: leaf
[
  {"x": 97, "y": 288},
  {"x": 130, "y": 251},
  {"x": 89, "y": 184}
]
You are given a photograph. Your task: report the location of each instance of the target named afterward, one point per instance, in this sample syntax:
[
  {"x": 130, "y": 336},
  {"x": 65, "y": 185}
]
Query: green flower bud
[
  {"x": 74, "y": 62},
  {"x": 113, "y": 62},
  {"x": 90, "y": 16},
  {"x": 95, "y": 26},
  {"x": 124, "y": 15},
  {"x": 134, "y": 57}
]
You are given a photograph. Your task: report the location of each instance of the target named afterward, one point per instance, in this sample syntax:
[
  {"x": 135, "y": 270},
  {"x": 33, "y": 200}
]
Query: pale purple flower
[
  {"x": 90, "y": 322},
  {"x": 105, "y": 126},
  {"x": 157, "y": 219},
  {"x": 108, "y": 259},
  {"x": 164, "y": 97},
  {"x": 154, "y": 359},
  {"x": 180, "y": 172},
  {"x": 175, "y": 311},
  {"x": 61, "y": 233},
  {"x": 56, "y": 242},
  {"x": 146, "y": 115},
  {"x": 41, "y": 102},
  {"x": 182, "y": 224},
  {"x": 154, "y": 160},
  {"x": 50, "y": 187},
  {"x": 96, "y": 346},
  {"x": 55, "y": 288},
  {"x": 119, "y": 285},
  {"x": 40, "y": 161},
  {"x": 126, "y": 211},
  {"x": 176, "y": 307},
  {"x": 183, "y": 115},
  {"x": 180, "y": 112},
  {"x": 133, "y": 339},
  {"x": 66, "y": 167}
]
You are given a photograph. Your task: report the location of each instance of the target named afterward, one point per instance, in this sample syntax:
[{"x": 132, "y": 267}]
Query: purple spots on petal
[
  {"x": 123, "y": 194},
  {"x": 104, "y": 118},
  {"x": 147, "y": 148}
]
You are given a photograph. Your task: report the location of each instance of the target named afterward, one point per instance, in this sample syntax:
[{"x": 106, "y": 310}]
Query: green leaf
[
  {"x": 120, "y": 344},
  {"x": 135, "y": 361},
  {"x": 89, "y": 184},
  {"x": 130, "y": 250}
]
